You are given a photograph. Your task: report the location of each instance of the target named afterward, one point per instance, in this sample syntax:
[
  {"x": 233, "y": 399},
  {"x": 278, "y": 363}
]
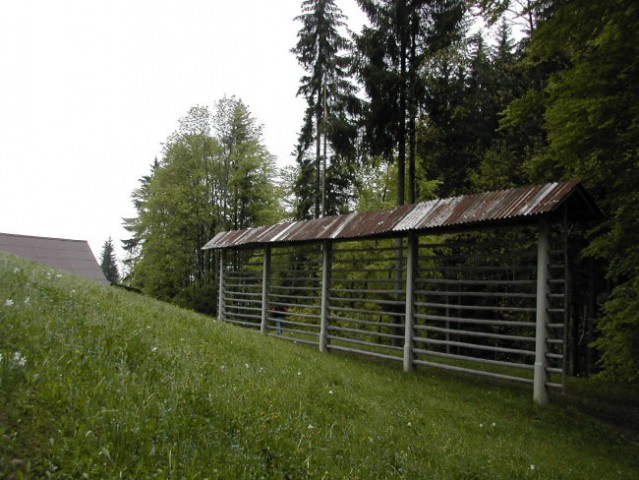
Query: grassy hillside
[{"x": 96, "y": 382}]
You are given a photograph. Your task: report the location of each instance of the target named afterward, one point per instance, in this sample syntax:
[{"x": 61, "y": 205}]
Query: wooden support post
[
  {"x": 540, "y": 392},
  {"x": 220, "y": 299},
  {"x": 411, "y": 269},
  {"x": 266, "y": 280},
  {"x": 326, "y": 284}
]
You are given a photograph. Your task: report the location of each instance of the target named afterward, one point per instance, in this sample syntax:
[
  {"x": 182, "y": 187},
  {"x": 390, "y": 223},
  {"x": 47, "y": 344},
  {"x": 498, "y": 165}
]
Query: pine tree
[
  {"x": 403, "y": 33},
  {"x": 321, "y": 50},
  {"x": 108, "y": 262}
]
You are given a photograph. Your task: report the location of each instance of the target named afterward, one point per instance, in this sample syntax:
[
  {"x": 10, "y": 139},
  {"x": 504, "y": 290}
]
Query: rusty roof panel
[
  {"x": 376, "y": 222},
  {"x": 318, "y": 228},
  {"x": 559, "y": 193},
  {"x": 275, "y": 231},
  {"x": 434, "y": 214},
  {"x": 490, "y": 206},
  {"x": 217, "y": 241}
]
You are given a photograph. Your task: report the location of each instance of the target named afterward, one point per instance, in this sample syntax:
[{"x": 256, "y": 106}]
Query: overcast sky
[{"x": 89, "y": 89}]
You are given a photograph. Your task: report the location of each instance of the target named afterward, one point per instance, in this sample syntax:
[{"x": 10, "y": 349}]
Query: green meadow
[{"x": 100, "y": 383}]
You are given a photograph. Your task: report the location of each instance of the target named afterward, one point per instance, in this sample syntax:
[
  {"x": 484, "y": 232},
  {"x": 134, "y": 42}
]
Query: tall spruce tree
[
  {"x": 322, "y": 51},
  {"x": 108, "y": 262},
  {"x": 459, "y": 141},
  {"x": 401, "y": 35},
  {"x": 136, "y": 227}
]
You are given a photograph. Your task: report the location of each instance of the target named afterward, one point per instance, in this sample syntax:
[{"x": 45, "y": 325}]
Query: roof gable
[{"x": 73, "y": 256}]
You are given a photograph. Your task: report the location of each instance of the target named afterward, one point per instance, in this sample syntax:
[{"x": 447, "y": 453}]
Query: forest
[{"x": 419, "y": 104}]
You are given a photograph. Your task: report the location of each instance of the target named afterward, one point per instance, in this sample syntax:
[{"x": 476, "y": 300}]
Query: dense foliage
[
  {"x": 592, "y": 122},
  {"x": 215, "y": 175}
]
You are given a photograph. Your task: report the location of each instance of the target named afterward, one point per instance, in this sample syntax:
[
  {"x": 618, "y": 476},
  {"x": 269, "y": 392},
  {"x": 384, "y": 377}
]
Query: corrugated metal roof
[
  {"x": 73, "y": 256},
  {"x": 514, "y": 204}
]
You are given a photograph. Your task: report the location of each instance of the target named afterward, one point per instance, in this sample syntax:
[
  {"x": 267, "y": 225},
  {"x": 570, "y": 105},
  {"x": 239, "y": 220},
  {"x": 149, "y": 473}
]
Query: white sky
[{"x": 89, "y": 89}]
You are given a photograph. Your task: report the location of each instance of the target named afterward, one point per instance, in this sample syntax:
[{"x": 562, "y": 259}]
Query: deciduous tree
[
  {"x": 592, "y": 120},
  {"x": 214, "y": 175}
]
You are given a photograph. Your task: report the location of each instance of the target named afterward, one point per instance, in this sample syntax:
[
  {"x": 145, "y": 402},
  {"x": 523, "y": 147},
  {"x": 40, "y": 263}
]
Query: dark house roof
[
  {"x": 73, "y": 256},
  {"x": 517, "y": 205}
]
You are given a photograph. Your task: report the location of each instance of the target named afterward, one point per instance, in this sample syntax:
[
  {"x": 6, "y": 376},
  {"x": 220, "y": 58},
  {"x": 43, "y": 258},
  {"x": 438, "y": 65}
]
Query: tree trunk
[
  {"x": 401, "y": 140},
  {"x": 318, "y": 155}
]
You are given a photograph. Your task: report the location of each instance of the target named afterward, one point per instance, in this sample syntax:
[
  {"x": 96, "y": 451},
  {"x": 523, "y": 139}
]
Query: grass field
[{"x": 100, "y": 383}]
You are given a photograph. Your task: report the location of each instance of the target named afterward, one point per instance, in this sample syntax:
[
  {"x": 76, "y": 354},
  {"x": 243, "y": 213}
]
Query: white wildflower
[
  {"x": 16, "y": 270},
  {"x": 27, "y": 300},
  {"x": 8, "y": 302},
  {"x": 155, "y": 348},
  {"x": 19, "y": 359},
  {"x": 223, "y": 367},
  {"x": 58, "y": 276},
  {"x": 330, "y": 392},
  {"x": 494, "y": 424},
  {"x": 310, "y": 427},
  {"x": 532, "y": 467},
  {"x": 299, "y": 373},
  {"x": 409, "y": 424},
  {"x": 1, "y": 357},
  {"x": 481, "y": 425},
  {"x": 247, "y": 365}
]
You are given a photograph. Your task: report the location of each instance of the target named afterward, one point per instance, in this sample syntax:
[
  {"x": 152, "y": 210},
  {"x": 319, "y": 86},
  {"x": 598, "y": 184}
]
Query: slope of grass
[{"x": 96, "y": 382}]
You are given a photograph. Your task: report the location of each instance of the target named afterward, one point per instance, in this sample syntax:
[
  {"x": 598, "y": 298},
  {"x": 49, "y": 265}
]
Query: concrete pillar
[
  {"x": 540, "y": 391},
  {"x": 411, "y": 270},
  {"x": 220, "y": 299},
  {"x": 327, "y": 261},
  {"x": 266, "y": 280}
]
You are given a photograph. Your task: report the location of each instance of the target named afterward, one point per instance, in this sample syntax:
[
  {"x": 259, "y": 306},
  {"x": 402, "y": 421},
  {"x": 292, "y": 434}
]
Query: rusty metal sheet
[
  {"x": 432, "y": 212},
  {"x": 489, "y": 206},
  {"x": 240, "y": 236},
  {"x": 316, "y": 229},
  {"x": 377, "y": 222},
  {"x": 559, "y": 193},
  {"x": 265, "y": 235},
  {"x": 273, "y": 232},
  {"x": 233, "y": 238},
  {"x": 463, "y": 210},
  {"x": 215, "y": 241}
]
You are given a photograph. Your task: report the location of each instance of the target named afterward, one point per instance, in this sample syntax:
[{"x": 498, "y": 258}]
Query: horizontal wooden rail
[
  {"x": 476, "y": 321},
  {"x": 479, "y": 360},
  {"x": 470, "y": 333},
  {"x": 476, "y": 346},
  {"x": 475, "y": 307}
]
